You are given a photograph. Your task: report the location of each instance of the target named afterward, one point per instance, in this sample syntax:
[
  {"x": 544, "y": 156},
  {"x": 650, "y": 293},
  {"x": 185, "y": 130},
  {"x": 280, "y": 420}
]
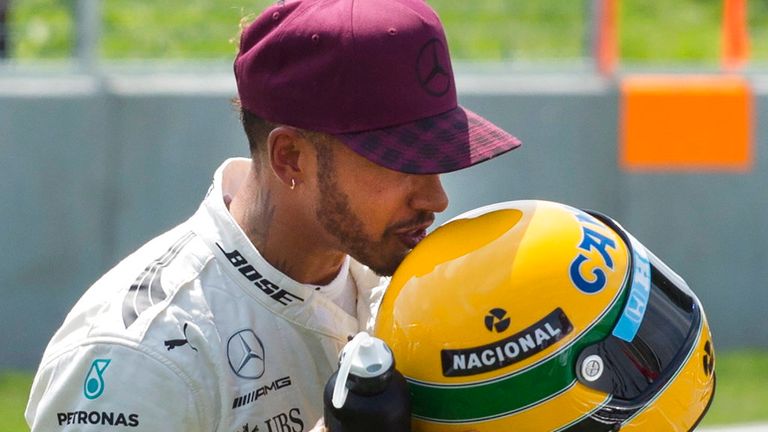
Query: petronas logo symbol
[{"x": 94, "y": 381}]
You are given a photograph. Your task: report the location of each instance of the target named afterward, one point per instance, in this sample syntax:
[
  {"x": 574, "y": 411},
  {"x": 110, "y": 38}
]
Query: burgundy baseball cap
[{"x": 374, "y": 73}]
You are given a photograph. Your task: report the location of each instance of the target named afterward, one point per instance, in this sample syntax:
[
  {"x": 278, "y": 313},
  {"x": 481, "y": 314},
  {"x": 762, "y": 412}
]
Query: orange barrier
[
  {"x": 734, "y": 35},
  {"x": 683, "y": 122},
  {"x": 607, "y": 49}
]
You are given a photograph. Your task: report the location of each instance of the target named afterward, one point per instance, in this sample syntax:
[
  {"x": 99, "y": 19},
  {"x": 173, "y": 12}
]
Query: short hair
[{"x": 256, "y": 129}]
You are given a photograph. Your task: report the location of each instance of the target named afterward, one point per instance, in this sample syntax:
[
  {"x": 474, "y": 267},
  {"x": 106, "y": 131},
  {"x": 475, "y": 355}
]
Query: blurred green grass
[
  {"x": 742, "y": 388},
  {"x": 741, "y": 395},
  {"x": 661, "y": 31},
  {"x": 14, "y": 390}
]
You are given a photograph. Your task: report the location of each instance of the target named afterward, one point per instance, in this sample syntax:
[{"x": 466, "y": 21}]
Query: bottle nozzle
[{"x": 364, "y": 356}]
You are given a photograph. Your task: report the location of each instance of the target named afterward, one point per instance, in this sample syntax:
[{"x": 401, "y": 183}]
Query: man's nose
[{"x": 429, "y": 194}]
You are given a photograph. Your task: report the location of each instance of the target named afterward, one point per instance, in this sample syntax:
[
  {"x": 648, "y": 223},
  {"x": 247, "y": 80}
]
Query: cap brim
[{"x": 447, "y": 142}]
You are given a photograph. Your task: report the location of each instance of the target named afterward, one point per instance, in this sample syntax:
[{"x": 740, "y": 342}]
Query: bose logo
[{"x": 265, "y": 285}]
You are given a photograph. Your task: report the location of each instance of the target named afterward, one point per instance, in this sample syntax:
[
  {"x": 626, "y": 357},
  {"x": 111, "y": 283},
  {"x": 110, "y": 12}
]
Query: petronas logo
[{"x": 93, "y": 386}]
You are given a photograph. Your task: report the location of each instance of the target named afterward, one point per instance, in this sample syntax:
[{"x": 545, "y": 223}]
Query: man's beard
[{"x": 336, "y": 216}]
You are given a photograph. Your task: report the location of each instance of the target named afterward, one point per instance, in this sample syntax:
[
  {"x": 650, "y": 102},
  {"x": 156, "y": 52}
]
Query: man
[{"x": 233, "y": 320}]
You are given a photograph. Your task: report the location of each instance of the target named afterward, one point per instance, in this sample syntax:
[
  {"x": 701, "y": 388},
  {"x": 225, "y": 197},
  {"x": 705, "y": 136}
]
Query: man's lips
[
  {"x": 411, "y": 235},
  {"x": 412, "y": 238}
]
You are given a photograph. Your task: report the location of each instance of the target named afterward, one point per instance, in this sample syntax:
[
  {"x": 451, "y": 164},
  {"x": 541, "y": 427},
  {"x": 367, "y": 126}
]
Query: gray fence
[{"x": 93, "y": 166}]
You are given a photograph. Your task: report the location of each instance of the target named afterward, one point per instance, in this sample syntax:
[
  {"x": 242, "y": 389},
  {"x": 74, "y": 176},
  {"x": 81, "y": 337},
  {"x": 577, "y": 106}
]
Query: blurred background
[{"x": 114, "y": 115}]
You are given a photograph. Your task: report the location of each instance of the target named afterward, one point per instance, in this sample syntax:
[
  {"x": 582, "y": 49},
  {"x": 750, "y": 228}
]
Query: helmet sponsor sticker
[
  {"x": 592, "y": 239},
  {"x": 639, "y": 293},
  {"x": 497, "y": 320},
  {"x": 515, "y": 348},
  {"x": 708, "y": 359}
]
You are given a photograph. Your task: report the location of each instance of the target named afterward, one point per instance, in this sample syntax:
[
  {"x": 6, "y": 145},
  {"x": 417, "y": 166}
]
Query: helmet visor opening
[
  {"x": 653, "y": 336},
  {"x": 637, "y": 368}
]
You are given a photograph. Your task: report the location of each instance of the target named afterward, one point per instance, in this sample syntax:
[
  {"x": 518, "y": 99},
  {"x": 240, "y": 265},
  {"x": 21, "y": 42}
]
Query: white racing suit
[{"x": 195, "y": 331}]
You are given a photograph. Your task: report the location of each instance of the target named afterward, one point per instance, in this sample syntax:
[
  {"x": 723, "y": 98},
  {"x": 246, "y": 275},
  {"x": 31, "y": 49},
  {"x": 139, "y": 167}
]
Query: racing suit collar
[{"x": 295, "y": 301}]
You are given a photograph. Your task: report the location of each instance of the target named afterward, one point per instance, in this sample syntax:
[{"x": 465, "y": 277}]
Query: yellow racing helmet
[{"x": 536, "y": 316}]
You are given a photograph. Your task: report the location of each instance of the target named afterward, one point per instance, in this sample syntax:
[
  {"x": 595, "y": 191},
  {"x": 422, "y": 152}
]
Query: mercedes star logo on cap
[
  {"x": 245, "y": 353},
  {"x": 433, "y": 77}
]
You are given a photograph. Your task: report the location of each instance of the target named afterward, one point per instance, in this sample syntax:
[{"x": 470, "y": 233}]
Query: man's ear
[{"x": 286, "y": 150}]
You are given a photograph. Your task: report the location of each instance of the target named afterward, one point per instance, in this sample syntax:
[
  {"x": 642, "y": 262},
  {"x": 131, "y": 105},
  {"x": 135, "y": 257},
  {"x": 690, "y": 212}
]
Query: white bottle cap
[{"x": 364, "y": 356}]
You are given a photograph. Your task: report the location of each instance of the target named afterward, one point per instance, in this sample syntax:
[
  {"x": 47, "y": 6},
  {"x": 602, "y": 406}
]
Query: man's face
[{"x": 375, "y": 214}]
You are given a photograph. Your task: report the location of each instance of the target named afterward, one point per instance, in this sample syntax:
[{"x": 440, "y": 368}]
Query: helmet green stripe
[{"x": 506, "y": 395}]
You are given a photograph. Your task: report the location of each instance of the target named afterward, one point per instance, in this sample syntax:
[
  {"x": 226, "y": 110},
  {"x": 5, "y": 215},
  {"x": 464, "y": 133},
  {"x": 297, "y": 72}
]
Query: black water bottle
[{"x": 367, "y": 393}]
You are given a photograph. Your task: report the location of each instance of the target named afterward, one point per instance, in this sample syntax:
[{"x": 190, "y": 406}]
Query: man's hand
[{"x": 319, "y": 426}]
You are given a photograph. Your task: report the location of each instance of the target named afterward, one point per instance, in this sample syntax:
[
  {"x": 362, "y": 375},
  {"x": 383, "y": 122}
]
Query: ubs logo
[
  {"x": 245, "y": 353},
  {"x": 433, "y": 68}
]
